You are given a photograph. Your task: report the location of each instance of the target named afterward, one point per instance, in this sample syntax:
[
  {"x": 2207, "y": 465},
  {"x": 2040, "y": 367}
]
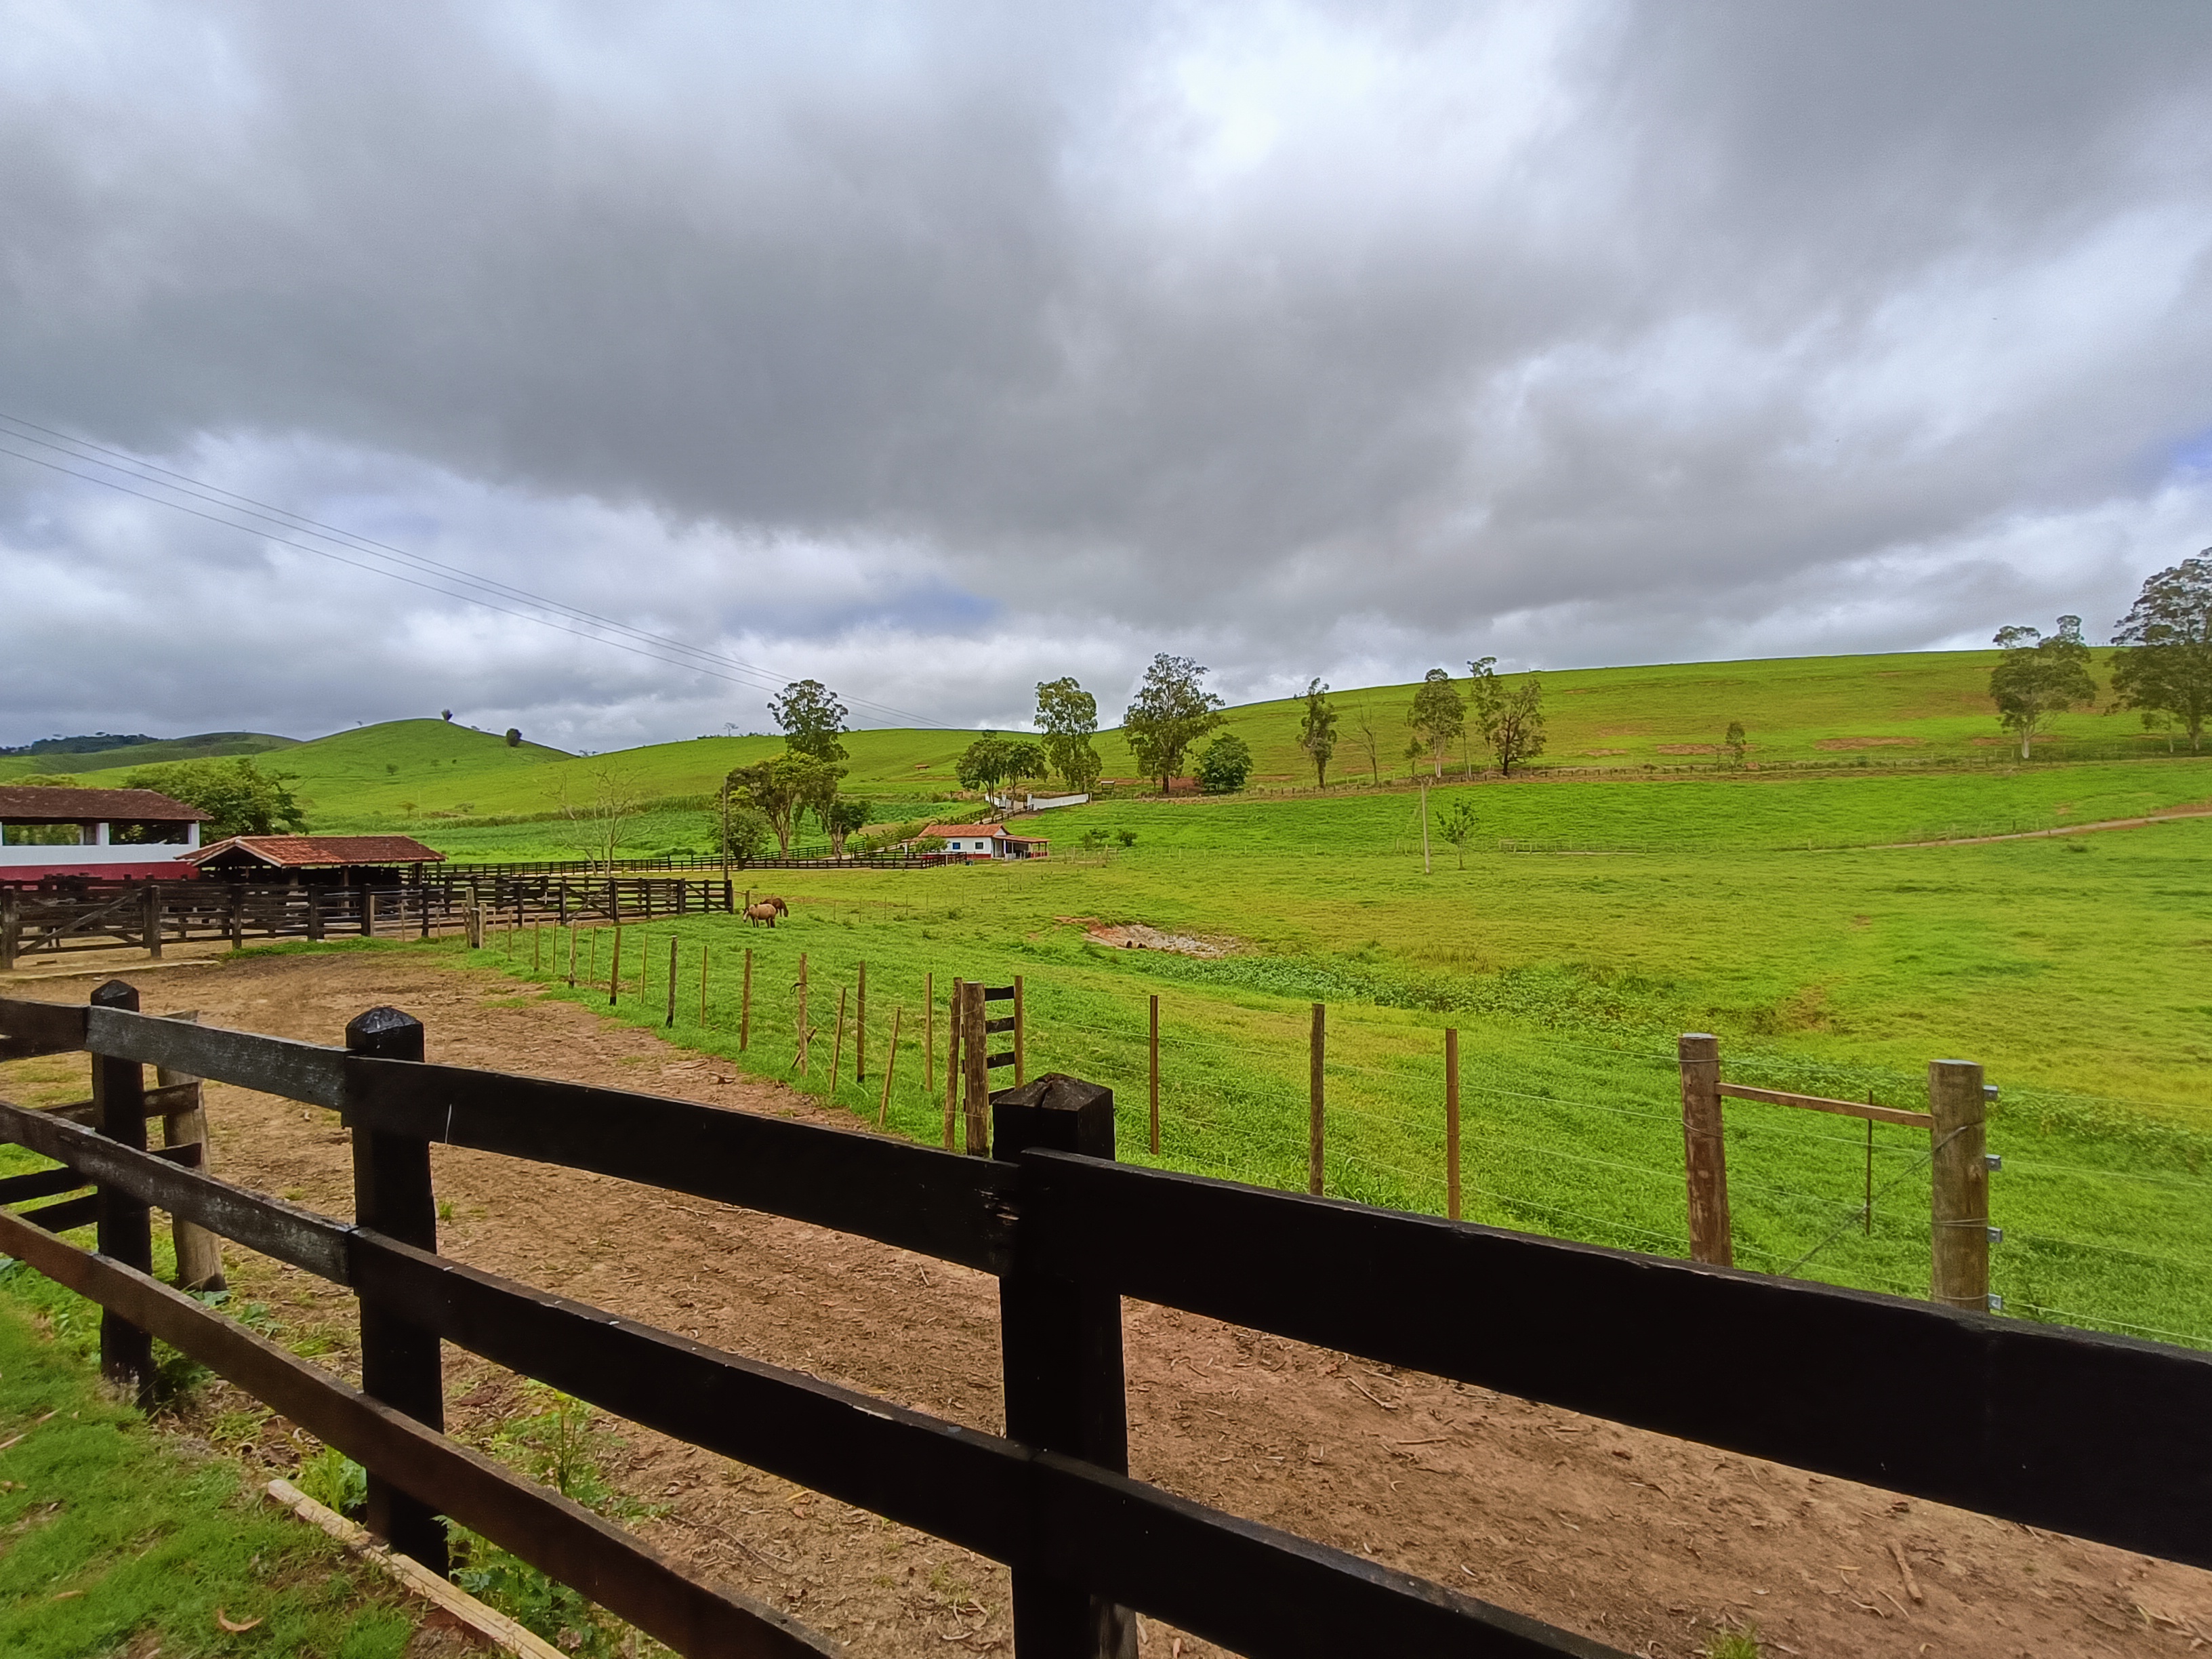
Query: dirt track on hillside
[{"x": 1644, "y": 1543}]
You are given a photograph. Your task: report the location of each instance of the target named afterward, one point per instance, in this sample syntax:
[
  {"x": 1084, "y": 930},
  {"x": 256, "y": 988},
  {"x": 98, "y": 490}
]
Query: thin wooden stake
[
  {"x": 1313, "y": 1090},
  {"x": 1452, "y": 1122},
  {"x": 745, "y": 1005},
  {"x": 592, "y": 960},
  {"x": 861, "y": 1028},
  {"x": 703, "y": 984},
  {"x": 951, "y": 1062},
  {"x": 1705, "y": 1153},
  {"x": 1869, "y": 1170},
  {"x": 537, "y": 950},
  {"x": 929, "y": 1037},
  {"x": 838, "y": 1044},
  {"x": 805, "y": 1033},
  {"x": 890, "y": 1065},
  {"x": 572, "y": 952},
  {"x": 1155, "y": 1073},
  {"x": 614, "y": 967}
]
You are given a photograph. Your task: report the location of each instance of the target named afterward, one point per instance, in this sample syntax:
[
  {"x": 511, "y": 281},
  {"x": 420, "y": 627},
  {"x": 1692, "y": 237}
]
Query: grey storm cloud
[{"x": 936, "y": 350}]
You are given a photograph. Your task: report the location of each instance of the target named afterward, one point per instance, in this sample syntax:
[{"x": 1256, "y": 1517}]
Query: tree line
[{"x": 2163, "y": 668}]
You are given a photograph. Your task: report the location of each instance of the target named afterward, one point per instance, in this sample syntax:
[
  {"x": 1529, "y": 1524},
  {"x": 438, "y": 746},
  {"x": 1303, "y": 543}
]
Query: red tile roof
[
  {"x": 311, "y": 852},
  {"x": 949, "y": 831},
  {"x": 36, "y": 803}
]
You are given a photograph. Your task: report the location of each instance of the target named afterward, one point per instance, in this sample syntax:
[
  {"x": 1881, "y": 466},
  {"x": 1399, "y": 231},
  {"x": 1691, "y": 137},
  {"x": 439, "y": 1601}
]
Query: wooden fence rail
[{"x": 2027, "y": 1431}]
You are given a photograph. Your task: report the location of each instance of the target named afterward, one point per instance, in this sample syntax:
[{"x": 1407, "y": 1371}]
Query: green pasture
[
  {"x": 206, "y": 746},
  {"x": 1909, "y": 710},
  {"x": 2071, "y": 967}
]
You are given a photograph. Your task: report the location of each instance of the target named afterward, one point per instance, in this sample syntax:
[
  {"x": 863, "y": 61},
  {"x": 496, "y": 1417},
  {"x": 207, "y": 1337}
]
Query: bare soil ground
[{"x": 1642, "y": 1543}]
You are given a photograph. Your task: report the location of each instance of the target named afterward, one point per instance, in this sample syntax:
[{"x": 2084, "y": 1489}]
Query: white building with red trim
[
  {"x": 105, "y": 834},
  {"x": 985, "y": 841}
]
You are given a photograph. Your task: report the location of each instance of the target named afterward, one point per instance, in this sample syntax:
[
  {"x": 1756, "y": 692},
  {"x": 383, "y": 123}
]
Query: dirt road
[{"x": 1644, "y": 1543}]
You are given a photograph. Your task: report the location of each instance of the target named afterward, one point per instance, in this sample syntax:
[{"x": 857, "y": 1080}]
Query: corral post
[
  {"x": 1315, "y": 1092},
  {"x": 153, "y": 903},
  {"x": 572, "y": 956},
  {"x": 1705, "y": 1153},
  {"x": 745, "y": 1005},
  {"x": 1061, "y": 1343},
  {"x": 671, "y": 978},
  {"x": 953, "y": 1010},
  {"x": 975, "y": 1068},
  {"x": 1959, "y": 1187},
  {"x": 368, "y": 913},
  {"x": 1021, "y": 1056},
  {"x": 124, "y": 1227},
  {"x": 399, "y": 1360},
  {"x": 1452, "y": 1122},
  {"x": 11, "y": 928},
  {"x": 423, "y": 905},
  {"x": 199, "y": 1252},
  {"x": 237, "y": 915},
  {"x": 1153, "y": 1075}
]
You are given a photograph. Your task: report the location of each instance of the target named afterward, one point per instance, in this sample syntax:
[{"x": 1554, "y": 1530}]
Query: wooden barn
[{"x": 319, "y": 860}]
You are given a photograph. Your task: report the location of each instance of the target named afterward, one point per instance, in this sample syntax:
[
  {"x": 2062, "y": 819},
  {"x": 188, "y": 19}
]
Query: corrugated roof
[
  {"x": 22, "y": 803},
  {"x": 952, "y": 830},
  {"x": 311, "y": 852}
]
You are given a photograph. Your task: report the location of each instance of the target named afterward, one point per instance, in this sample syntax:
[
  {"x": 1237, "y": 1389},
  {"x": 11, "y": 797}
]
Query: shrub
[{"x": 1224, "y": 764}]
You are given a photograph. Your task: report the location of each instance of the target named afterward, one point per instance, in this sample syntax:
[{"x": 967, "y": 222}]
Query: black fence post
[
  {"x": 1062, "y": 1346},
  {"x": 124, "y": 1228},
  {"x": 400, "y": 1362}
]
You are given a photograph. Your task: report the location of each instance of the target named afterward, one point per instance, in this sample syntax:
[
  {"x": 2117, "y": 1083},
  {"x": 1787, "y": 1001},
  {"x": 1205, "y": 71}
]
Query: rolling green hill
[
  {"x": 445, "y": 780},
  {"x": 205, "y": 745}
]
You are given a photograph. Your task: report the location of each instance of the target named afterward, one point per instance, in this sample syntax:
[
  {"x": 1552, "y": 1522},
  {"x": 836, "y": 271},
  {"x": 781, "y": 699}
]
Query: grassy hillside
[
  {"x": 2071, "y": 969},
  {"x": 206, "y": 745}
]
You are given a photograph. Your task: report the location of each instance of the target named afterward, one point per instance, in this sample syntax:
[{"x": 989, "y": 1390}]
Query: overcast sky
[{"x": 933, "y": 351}]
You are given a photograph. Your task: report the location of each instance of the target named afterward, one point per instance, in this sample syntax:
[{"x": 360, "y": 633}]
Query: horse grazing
[
  {"x": 763, "y": 912},
  {"x": 782, "y": 908}
]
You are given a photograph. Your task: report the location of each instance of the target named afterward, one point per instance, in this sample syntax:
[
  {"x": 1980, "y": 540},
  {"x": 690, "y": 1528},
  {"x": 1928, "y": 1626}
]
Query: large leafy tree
[
  {"x": 1510, "y": 717},
  {"x": 812, "y": 720},
  {"x": 239, "y": 796},
  {"x": 1173, "y": 709},
  {"x": 846, "y": 816},
  {"x": 992, "y": 760},
  {"x": 1068, "y": 715},
  {"x": 783, "y": 788},
  {"x": 1438, "y": 716},
  {"x": 2167, "y": 666},
  {"x": 1317, "y": 730},
  {"x": 2039, "y": 678}
]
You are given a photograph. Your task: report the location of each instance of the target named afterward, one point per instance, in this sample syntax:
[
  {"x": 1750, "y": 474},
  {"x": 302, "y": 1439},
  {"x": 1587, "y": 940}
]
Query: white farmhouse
[{"x": 985, "y": 841}]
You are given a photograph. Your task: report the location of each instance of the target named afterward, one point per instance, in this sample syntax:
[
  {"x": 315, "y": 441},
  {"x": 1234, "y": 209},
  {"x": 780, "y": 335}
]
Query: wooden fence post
[
  {"x": 954, "y": 1008},
  {"x": 613, "y": 967},
  {"x": 153, "y": 903},
  {"x": 890, "y": 1067},
  {"x": 861, "y": 1028},
  {"x": 1060, "y": 1347},
  {"x": 368, "y": 913},
  {"x": 1705, "y": 1153},
  {"x": 199, "y": 1252},
  {"x": 838, "y": 1044},
  {"x": 1153, "y": 1073},
  {"x": 745, "y": 1003},
  {"x": 124, "y": 1227},
  {"x": 1316, "y": 1095},
  {"x": 572, "y": 956},
  {"x": 929, "y": 1037},
  {"x": 11, "y": 928},
  {"x": 671, "y": 978},
  {"x": 399, "y": 1360},
  {"x": 1452, "y": 1122},
  {"x": 1959, "y": 1187},
  {"x": 1021, "y": 1033},
  {"x": 703, "y": 949},
  {"x": 975, "y": 1066}
]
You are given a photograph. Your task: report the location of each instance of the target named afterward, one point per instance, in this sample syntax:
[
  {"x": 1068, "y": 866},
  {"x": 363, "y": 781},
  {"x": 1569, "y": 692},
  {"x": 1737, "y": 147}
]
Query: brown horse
[
  {"x": 763, "y": 912},
  {"x": 782, "y": 908}
]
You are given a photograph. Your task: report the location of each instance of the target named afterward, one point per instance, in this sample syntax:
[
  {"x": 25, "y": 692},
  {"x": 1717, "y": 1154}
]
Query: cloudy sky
[{"x": 934, "y": 350}]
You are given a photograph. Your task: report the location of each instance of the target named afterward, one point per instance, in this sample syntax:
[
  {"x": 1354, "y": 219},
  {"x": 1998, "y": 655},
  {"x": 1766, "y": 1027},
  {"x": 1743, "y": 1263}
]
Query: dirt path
[
  {"x": 1643, "y": 1542},
  {"x": 2041, "y": 834}
]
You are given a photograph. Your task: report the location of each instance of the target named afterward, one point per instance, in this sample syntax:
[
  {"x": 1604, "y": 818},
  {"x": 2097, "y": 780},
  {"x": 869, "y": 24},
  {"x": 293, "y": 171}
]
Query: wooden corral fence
[
  {"x": 2102, "y": 1436},
  {"x": 148, "y": 914},
  {"x": 673, "y": 861}
]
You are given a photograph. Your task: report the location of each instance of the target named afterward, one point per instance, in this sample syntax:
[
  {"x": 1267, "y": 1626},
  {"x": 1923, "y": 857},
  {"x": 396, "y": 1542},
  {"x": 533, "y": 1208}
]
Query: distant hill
[
  {"x": 427, "y": 773},
  {"x": 103, "y": 750}
]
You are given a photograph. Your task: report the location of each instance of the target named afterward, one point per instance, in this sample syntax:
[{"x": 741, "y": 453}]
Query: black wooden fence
[
  {"x": 2102, "y": 1436},
  {"x": 148, "y": 914}
]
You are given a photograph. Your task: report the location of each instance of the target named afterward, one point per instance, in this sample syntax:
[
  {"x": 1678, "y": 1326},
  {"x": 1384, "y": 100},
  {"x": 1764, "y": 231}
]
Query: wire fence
[{"x": 1575, "y": 1139}]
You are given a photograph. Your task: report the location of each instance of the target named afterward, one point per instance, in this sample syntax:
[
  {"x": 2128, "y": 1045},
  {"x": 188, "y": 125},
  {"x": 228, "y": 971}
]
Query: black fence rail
[
  {"x": 673, "y": 861},
  {"x": 2105, "y": 1437},
  {"x": 148, "y": 914}
]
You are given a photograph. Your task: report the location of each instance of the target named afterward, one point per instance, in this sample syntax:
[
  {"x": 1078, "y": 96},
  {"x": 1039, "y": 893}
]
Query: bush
[
  {"x": 239, "y": 796},
  {"x": 1224, "y": 765}
]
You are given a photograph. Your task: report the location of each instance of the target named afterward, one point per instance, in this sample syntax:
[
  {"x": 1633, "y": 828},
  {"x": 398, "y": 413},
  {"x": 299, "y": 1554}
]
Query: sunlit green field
[{"x": 2072, "y": 967}]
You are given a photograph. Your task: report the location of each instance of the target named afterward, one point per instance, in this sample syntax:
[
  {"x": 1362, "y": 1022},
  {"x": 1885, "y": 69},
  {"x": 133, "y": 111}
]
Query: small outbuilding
[
  {"x": 101, "y": 834},
  {"x": 322, "y": 861},
  {"x": 985, "y": 841}
]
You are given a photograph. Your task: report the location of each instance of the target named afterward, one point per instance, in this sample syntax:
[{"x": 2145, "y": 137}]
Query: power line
[{"x": 712, "y": 663}]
